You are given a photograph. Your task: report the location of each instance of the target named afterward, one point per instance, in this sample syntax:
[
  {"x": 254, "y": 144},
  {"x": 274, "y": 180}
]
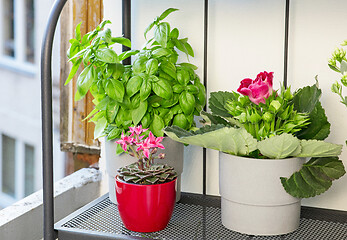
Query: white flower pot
[
  {"x": 173, "y": 157},
  {"x": 253, "y": 200}
]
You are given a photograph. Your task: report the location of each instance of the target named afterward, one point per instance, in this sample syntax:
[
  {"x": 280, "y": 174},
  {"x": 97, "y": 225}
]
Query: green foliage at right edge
[{"x": 314, "y": 178}]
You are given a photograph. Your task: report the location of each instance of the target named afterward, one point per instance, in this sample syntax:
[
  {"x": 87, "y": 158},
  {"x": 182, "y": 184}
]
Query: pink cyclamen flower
[
  {"x": 137, "y": 130},
  {"x": 155, "y": 142},
  {"x": 259, "y": 89},
  {"x": 125, "y": 141}
]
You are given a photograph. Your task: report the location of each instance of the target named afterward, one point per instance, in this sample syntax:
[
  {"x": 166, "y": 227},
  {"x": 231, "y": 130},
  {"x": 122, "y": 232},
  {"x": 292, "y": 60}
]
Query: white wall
[{"x": 246, "y": 37}]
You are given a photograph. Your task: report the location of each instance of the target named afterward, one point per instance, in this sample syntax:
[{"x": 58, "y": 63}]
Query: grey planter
[
  {"x": 253, "y": 200},
  {"x": 174, "y": 158}
]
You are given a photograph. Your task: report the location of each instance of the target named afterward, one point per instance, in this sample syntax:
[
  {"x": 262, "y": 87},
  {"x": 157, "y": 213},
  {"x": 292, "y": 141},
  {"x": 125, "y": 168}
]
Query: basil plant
[
  {"x": 155, "y": 91},
  {"x": 275, "y": 126}
]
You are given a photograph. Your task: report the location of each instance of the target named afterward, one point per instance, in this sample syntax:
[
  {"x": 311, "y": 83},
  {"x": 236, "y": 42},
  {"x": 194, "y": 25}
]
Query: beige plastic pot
[
  {"x": 253, "y": 200},
  {"x": 174, "y": 158}
]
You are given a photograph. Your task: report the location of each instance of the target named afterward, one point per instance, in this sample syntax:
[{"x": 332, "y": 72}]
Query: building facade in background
[{"x": 22, "y": 23}]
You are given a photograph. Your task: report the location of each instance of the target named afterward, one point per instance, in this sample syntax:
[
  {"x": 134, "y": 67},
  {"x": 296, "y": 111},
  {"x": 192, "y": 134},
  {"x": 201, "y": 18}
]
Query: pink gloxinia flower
[
  {"x": 125, "y": 141},
  {"x": 259, "y": 89}
]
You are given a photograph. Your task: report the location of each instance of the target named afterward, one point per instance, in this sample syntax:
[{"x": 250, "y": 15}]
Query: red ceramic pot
[{"x": 145, "y": 208}]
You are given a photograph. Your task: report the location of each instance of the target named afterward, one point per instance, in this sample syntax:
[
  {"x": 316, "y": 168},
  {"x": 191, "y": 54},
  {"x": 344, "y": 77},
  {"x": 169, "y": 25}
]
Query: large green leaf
[
  {"x": 319, "y": 127},
  {"x": 138, "y": 113},
  {"x": 139, "y": 65},
  {"x": 217, "y": 102},
  {"x": 314, "y": 148},
  {"x": 314, "y": 178},
  {"x": 305, "y": 99},
  {"x": 280, "y": 146},
  {"x": 213, "y": 119},
  {"x": 121, "y": 40},
  {"x": 236, "y": 141}
]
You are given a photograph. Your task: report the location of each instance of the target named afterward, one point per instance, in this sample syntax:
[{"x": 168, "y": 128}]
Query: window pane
[
  {"x": 8, "y": 24},
  {"x": 30, "y": 31},
  {"x": 8, "y": 165},
  {"x": 29, "y": 169}
]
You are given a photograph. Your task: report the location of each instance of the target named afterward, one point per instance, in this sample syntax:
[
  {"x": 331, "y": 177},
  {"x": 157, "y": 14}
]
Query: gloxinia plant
[
  {"x": 260, "y": 122},
  {"x": 144, "y": 171}
]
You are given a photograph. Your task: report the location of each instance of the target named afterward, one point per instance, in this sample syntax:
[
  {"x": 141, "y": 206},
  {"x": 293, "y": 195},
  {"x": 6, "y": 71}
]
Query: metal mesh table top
[{"x": 198, "y": 217}]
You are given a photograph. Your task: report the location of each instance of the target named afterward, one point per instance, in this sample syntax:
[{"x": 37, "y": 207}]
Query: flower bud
[
  {"x": 288, "y": 95},
  {"x": 275, "y": 105},
  {"x": 344, "y": 79},
  {"x": 268, "y": 117},
  {"x": 339, "y": 54},
  {"x": 161, "y": 155},
  {"x": 154, "y": 150},
  {"x": 336, "y": 88}
]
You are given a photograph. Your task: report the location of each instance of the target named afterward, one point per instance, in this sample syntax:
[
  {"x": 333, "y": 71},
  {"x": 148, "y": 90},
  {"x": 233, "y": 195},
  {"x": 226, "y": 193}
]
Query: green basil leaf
[
  {"x": 133, "y": 85},
  {"x": 106, "y": 55},
  {"x": 160, "y": 52},
  {"x": 84, "y": 82},
  {"x": 86, "y": 57},
  {"x": 161, "y": 33},
  {"x": 157, "y": 126},
  {"x": 111, "y": 111},
  {"x": 73, "y": 71},
  {"x": 117, "y": 70},
  {"x": 189, "y": 49},
  {"x": 114, "y": 133},
  {"x": 187, "y": 102},
  {"x": 100, "y": 127},
  {"x": 174, "y": 33},
  {"x": 166, "y": 13},
  {"x": 121, "y": 40},
  {"x": 135, "y": 101},
  {"x": 139, "y": 65},
  {"x": 125, "y": 55},
  {"x": 181, "y": 121},
  {"x": 193, "y": 89},
  {"x": 115, "y": 89},
  {"x": 161, "y": 88},
  {"x": 102, "y": 25},
  {"x": 146, "y": 120},
  {"x": 152, "y": 66},
  {"x": 138, "y": 113},
  {"x": 145, "y": 89},
  {"x": 148, "y": 28},
  {"x": 188, "y": 65},
  {"x": 78, "y": 32},
  {"x": 106, "y": 35},
  {"x": 169, "y": 68},
  {"x": 103, "y": 103},
  {"x": 183, "y": 77}
]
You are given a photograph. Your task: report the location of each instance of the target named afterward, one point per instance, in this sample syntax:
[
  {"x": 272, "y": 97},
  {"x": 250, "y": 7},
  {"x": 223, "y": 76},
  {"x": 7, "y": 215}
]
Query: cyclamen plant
[
  {"x": 144, "y": 171},
  {"x": 260, "y": 122}
]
